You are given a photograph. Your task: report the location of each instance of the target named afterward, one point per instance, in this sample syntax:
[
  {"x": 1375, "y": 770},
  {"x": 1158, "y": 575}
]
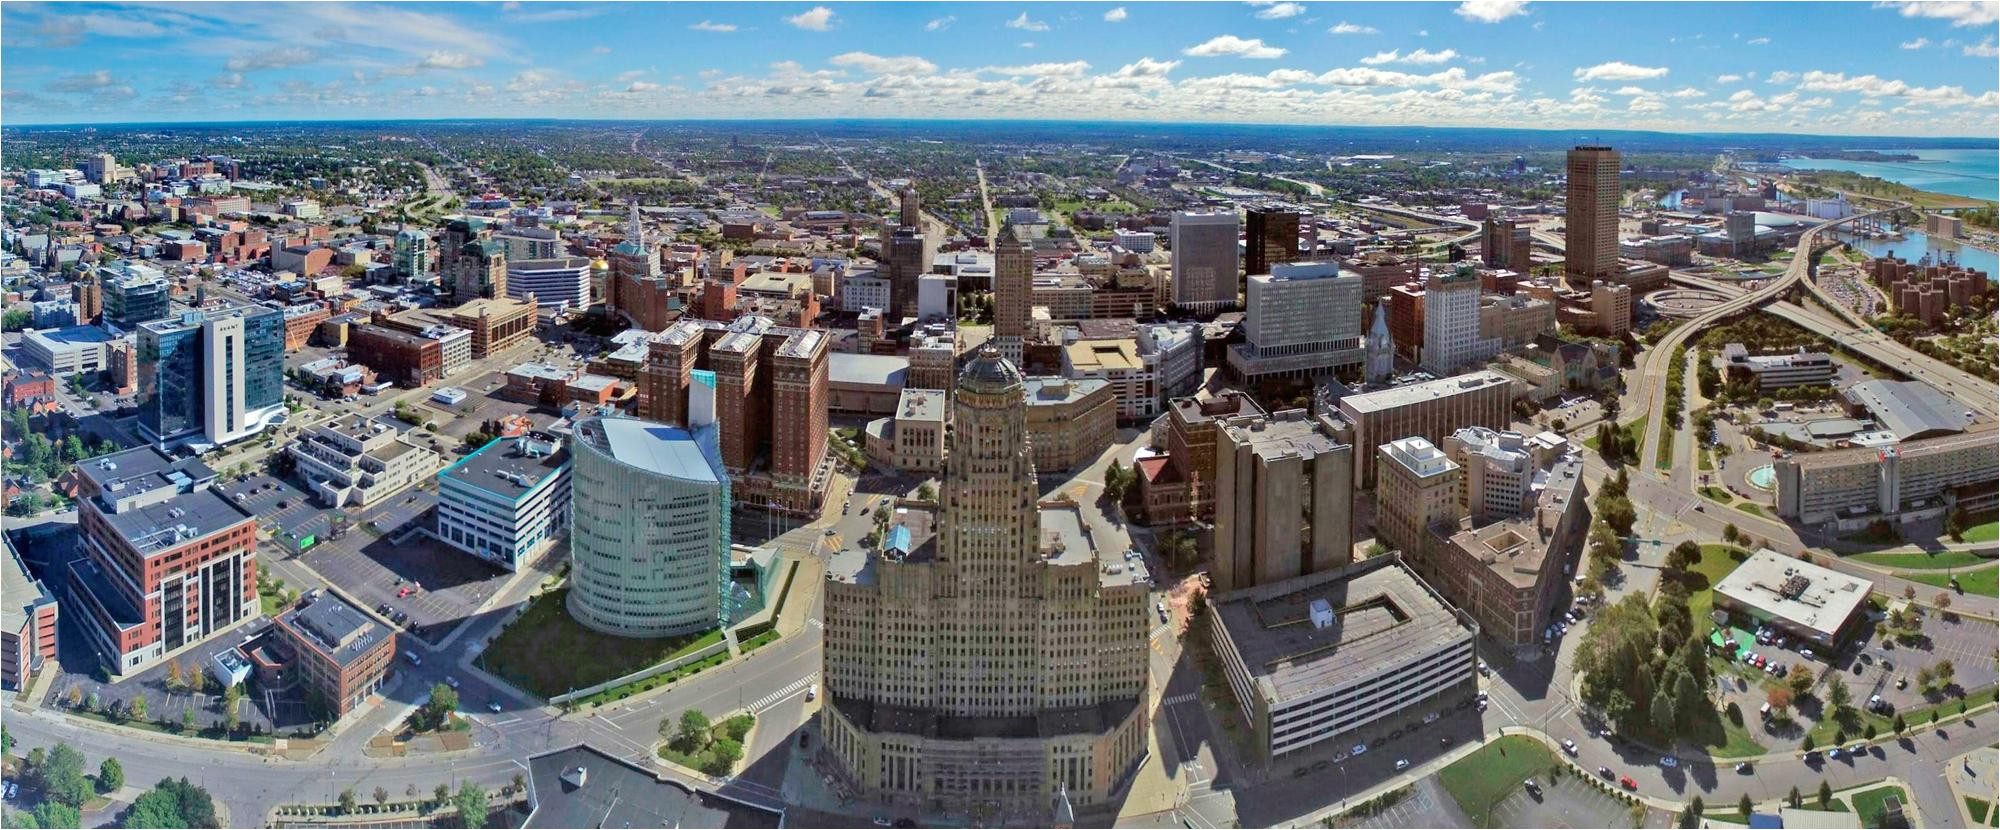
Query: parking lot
[
  {"x": 430, "y": 586},
  {"x": 1967, "y": 643},
  {"x": 1427, "y": 805},
  {"x": 1571, "y": 801},
  {"x": 277, "y": 711}
]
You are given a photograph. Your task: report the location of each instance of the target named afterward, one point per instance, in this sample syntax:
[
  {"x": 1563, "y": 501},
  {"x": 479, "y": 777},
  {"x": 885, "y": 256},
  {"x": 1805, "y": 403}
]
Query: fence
[{"x": 719, "y": 647}]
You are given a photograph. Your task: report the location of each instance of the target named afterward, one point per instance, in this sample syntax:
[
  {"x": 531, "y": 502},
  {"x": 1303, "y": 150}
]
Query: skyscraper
[
  {"x": 1451, "y": 322},
  {"x": 134, "y": 293},
  {"x": 988, "y": 656},
  {"x": 1270, "y": 237},
  {"x": 1301, "y": 320},
  {"x": 1013, "y": 280},
  {"x": 650, "y": 518},
  {"x": 214, "y": 374},
  {"x": 1205, "y": 261},
  {"x": 1284, "y": 500},
  {"x": 412, "y": 254},
  {"x": 905, "y": 257},
  {"x": 911, "y": 207},
  {"x": 471, "y": 263},
  {"x": 1591, "y": 214},
  {"x": 1506, "y": 243}
]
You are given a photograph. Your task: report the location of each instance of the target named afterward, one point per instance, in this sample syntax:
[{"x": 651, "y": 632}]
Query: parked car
[
  {"x": 1358, "y": 749},
  {"x": 1402, "y": 764},
  {"x": 1669, "y": 761},
  {"x": 1628, "y": 783},
  {"x": 493, "y": 706},
  {"x": 451, "y": 681},
  {"x": 1604, "y": 772},
  {"x": 1569, "y": 746}
]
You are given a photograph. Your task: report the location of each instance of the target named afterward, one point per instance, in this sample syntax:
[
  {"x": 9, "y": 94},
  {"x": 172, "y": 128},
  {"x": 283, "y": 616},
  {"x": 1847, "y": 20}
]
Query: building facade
[
  {"x": 1917, "y": 479},
  {"x": 1590, "y": 214},
  {"x": 212, "y": 376},
  {"x": 1300, "y": 320},
  {"x": 338, "y": 652},
  {"x": 357, "y": 461},
  {"x": 649, "y": 543},
  {"x": 1205, "y": 261},
  {"x": 1270, "y": 238},
  {"x": 1284, "y": 500},
  {"x": 1432, "y": 410}
]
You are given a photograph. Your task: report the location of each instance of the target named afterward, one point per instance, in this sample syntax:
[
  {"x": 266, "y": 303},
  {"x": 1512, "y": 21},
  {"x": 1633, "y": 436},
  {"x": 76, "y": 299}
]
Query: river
[
  {"x": 1917, "y": 244},
  {"x": 1973, "y": 174}
]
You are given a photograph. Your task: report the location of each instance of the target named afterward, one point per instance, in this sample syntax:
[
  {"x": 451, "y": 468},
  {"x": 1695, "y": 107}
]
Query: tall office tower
[
  {"x": 1302, "y": 320},
  {"x": 1013, "y": 280},
  {"x": 1270, "y": 237},
  {"x": 650, "y": 518},
  {"x": 134, "y": 293},
  {"x": 1591, "y": 214},
  {"x": 912, "y": 207},
  {"x": 1204, "y": 261},
  {"x": 1416, "y": 486},
  {"x": 1451, "y": 322},
  {"x": 1506, "y": 243},
  {"x": 216, "y": 374},
  {"x": 1284, "y": 504},
  {"x": 471, "y": 264},
  {"x": 988, "y": 657},
  {"x": 1381, "y": 346},
  {"x": 411, "y": 255},
  {"x": 904, "y": 260},
  {"x": 88, "y": 295}
]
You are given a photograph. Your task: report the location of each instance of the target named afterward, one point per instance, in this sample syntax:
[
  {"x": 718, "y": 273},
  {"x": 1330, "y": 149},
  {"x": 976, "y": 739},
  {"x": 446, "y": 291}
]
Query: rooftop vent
[{"x": 1321, "y": 612}]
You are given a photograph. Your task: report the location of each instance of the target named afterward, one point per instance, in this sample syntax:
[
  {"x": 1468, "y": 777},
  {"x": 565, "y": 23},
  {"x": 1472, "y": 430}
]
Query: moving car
[
  {"x": 1628, "y": 783},
  {"x": 1569, "y": 746},
  {"x": 1604, "y": 771},
  {"x": 1402, "y": 764}
]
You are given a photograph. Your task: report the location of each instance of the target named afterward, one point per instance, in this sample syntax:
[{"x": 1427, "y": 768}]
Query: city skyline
[{"x": 1892, "y": 69}]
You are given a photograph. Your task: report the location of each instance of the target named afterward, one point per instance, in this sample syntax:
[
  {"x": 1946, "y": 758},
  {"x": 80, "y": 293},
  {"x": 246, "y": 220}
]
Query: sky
[{"x": 1833, "y": 68}]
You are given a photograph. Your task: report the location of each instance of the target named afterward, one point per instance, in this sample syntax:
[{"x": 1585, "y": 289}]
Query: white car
[
  {"x": 1402, "y": 764},
  {"x": 1569, "y": 746},
  {"x": 1669, "y": 761},
  {"x": 1358, "y": 749}
]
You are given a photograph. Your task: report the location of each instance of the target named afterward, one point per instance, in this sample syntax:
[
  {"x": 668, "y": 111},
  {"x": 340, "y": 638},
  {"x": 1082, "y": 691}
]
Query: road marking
[
  {"x": 774, "y": 698},
  {"x": 1189, "y": 697},
  {"x": 814, "y": 622}
]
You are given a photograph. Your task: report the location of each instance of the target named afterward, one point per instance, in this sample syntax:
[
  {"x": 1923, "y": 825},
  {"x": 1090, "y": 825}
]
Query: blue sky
[{"x": 1830, "y": 68}]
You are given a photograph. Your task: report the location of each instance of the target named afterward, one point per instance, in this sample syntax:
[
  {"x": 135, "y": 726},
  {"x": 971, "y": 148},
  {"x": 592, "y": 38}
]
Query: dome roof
[{"x": 989, "y": 372}]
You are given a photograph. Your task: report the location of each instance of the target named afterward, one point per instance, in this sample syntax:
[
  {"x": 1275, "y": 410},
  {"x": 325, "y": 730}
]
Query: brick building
[{"x": 339, "y": 653}]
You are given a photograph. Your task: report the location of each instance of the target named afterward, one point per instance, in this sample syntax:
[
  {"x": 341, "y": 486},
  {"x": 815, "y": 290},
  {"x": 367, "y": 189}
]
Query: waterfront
[
  {"x": 1915, "y": 244},
  {"x": 1970, "y": 173}
]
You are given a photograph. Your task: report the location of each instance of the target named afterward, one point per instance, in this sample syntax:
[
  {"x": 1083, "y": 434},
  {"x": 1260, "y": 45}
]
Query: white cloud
[
  {"x": 1757, "y": 41},
  {"x": 1346, "y": 28},
  {"x": 600, "y": 50},
  {"x": 1728, "y": 79},
  {"x": 450, "y": 60},
  {"x": 1631, "y": 90},
  {"x": 86, "y": 82},
  {"x": 278, "y": 58},
  {"x": 1026, "y": 44},
  {"x": 1420, "y": 56},
  {"x": 1274, "y": 10},
  {"x": 1232, "y": 45},
  {"x": 1646, "y": 105},
  {"x": 1024, "y": 24},
  {"x": 941, "y": 24},
  {"x": 879, "y": 65},
  {"x": 1146, "y": 68},
  {"x": 1984, "y": 49},
  {"x": 1453, "y": 78},
  {"x": 1871, "y": 86},
  {"x": 712, "y": 26},
  {"x": 1068, "y": 70},
  {"x": 1491, "y": 11},
  {"x": 1919, "y": 43},
  {"x": 1781, "y": 76},
  {"x": 1687, "y": 92},
  {"x": 228, "y": 80},
  {"x": 1959, "y": 12},
  {"x": 642, "y": 86},
  {"x": 1618, "y": 71},
  {"x": 1116, "y": 15},
  {"x": 815, "y": 19}
]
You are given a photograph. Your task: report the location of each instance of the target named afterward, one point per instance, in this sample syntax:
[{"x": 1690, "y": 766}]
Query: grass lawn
[
  {"x": 1983, "y": 532},
  {"x": 1716, "y": 494},
  {"x": 1702, "y": 461},
  {"x": 1480, "y": 781},
  {"x": 704, "y": 758},
  {"x": 1752, "y": 509},
  {"x": 1922, "y": 561},
  {"x": 1664, "y": 459},
  {"x": 1868, "y": 804},
  {"x": 1715, "y": 564},
  {"x": 1916, "y": 718},
  {"x": 1977, "y": 807},
  {"x": 548, "y": 653},
  {"x": 1984, "y": 582}
]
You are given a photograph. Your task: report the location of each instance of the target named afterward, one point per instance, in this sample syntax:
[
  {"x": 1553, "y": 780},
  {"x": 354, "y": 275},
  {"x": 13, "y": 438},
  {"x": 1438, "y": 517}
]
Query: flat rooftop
[
  {"x": 1820, "y": 599},
  {"x": 509, "y": 467},
  {"x": 1382, "y": 615},
  {"x": 1391, "y": 398},
  {"x": 656, "y": 448},
  {"x": 71, "y": 336},
  {"x": 1910, "y": 409},
  {"x": 920, "y": 405},
  {"x": 335, "y": 628},
  {"x": 1103, "y": 355},
  {"x": 1055, "y": 390},
  {"x": 582, "y": 787}
]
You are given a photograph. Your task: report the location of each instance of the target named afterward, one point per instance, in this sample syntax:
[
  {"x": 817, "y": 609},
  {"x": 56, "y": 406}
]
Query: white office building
[
  {"x": 562, "y": 282},
  {"x": 507, "y": 500},
  {"x": 1300, "y": 320},
  {"x": 1451, "y": 323},
  {"x": 864, "y": 289},
  {"x": 1206, "y": 259}
]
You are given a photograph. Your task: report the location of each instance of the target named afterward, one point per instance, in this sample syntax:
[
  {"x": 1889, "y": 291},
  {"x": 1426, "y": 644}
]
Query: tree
[
  {"x": 49, "y": 814},
  {"x": 347, "y": 801},
  {"x": 1794, "y": 798},
  {"x": 1837, "y": 695},
  {"x": 1683, "y": 556},
  {"x": 927, "y": 492},
  {"x": 230, "y": 698},
  {"x": 723, "y": 756},
  {"x": 1825, "y": 794},
  {"x": 1744, "y": 805},
  {"x": 437, "y": 710},
  {"x": 1806, "y": 743},
  {"x": 60, "y": 778},
  {"x": 441, "y": 795},
  {"x": 381, "y": 796},
  {"x": 694, "y": 729},
  {"x": 1942, "y": 600},
  {"x": 1899, "y": 726},
  {"x": 174, "y": 674},
  {"x": 1801, "y": 680},
  {"x": 1730, "y": 533},
  {"x": 110, "y": 776},
  {"x": 1779, "y": 697},
  {"x": 471, "y": 803},
  {"x": 1943, "y": 672},
  {"x": 137, "y": 707}
]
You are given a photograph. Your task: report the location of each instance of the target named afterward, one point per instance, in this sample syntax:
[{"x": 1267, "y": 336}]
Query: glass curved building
[{"x": 649, "y": 540}]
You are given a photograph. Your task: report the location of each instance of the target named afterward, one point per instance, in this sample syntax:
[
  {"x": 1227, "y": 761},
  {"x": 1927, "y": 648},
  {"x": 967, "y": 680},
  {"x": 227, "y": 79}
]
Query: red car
[
  {"x": 403, "y": 593},
  {"x": 1627, "y": 782}
]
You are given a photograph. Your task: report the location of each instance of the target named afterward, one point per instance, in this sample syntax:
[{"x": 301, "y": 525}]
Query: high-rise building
[
  {"x": 1013, "y": 279},
  {"x": 989, "y": 657},
  {"x": 912, "y": 207},
  {"x": 1381, "y": 346},
  {"x": 88, "y": 295},
  {"x": 1432, "y": 409},
  {"x": 1205, "y": 259},
  {"x": 216, "y": 376},
  {"x": 1452, "y": 338},
  {"x": 134, "y": 293},
  {"x": 1506, "y": 243},
  {"x": 1270, "y": 238},
  {"x": 472, "y": 264},
  {"x": 1591, "y": 214},
  {"x": 1283, "y": 499},
  {"x": 650, "y": 508},
  {"x": 1300, "y": 320},
  {"x": 563, "y": 282},
  {"x": 1416, "y": 486},
  {"x": 411, "y": 255},
  {"x": 905, "y": 257},
  {"x": 507, "y": 500}
]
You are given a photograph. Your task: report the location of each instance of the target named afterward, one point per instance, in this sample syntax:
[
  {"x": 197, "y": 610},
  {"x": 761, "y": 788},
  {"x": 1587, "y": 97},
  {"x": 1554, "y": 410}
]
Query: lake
[
  {"x": 1973, "y": 174},
  {"x": 1917, "y": 244}
]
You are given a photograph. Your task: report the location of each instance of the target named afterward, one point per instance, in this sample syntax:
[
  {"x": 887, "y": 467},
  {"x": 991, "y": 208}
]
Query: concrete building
[
  {"x": 1905, "y": 482},
  {"x": 1270, "y": 238},
  {"x": 1316, "y": 658},
  {"x": 471, "y": 263},
  {"x": 562, "y": 283},
  {"x": 1777, "y": 371},
  {"x": 134, "y": 293},
  {"x": 507, "y": 501},
  {"x": 650, "y": 513},
  {"x": 864, "y": 290},
  {"x": 358, "y": 461},
  {"x": 1590, "y": 214},
  {"x": 166, "y": 562},
  {"x": 1452, "y": 338},
  {"x": 580, "y": 786},
  {"x": 1138, "y": 242},
  {"x": 1205, "y": 261},
  {"x": 1507, "y": 243},
  {"x": 906, "y": 255},
  {"x": 988, "y": 656},
  {"x": 1134, "y": 381},
  {"x": 1284, "y": 505},
  {"x": 1070, "y": 422},
  {"x": 405, "y": 359},
  {"x": 67, "y": 351},
  {"x": 912, "y": 440},
  {"x": 1506, "y": 569},
  {"x": 28, "y": 618},
  {"x": 211, "y": 377},
  {"x": 496, "y": 324},
  {"x": 1301, "y": 320},
  {"x": 1174, "y": 351},
  {"x": 1416, "y": 486},
  {"x": 1804, "y": 601},
  {"x": 1431, "y": 410},
  {"x": 1911, "y": 410},
  {"x": 338, "y": 652}
]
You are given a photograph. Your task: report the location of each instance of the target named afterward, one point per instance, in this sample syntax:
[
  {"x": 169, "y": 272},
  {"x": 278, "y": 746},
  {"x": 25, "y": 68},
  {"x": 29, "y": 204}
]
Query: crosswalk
[
  {"x": 1189, "y": 697},
  {"x": 773, "y": 698}
]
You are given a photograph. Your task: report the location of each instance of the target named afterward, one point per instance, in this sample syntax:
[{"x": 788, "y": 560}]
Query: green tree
[
  {"x": 1801, "y": 680},
  {"x": 1684, "y": 556},
  {"x": 437, "y": 710},
  {"x": 926, "y": 492},
  {"x": 347, "y": 801},
  {"x": 1837, "y": 696},
  {"x": 694, "y": 729},
  {"x": 137, "y": 707},
  {"x": 110, "y": 776},
  {"x": 1825, "y": 794},
  {"x": 60, "y": 777},
  {"x": 471, "y": 803},
  {"x": 723, "y": 756},
  {"x": 51, "y": 815},
  {"x": 381, "y": 796},
  {"x": 441, "y": 796},
  {"x": 1744, "y": 805},
  {"x": 1794, "y": 798}
]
